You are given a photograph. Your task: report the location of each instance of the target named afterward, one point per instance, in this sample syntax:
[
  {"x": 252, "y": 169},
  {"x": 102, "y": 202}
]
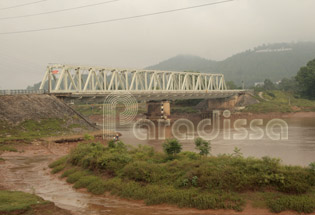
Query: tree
[
  {"x": 288, "y": 85},
  {"x": 172, "y": 147},
  {"x": 268, "y": 85},
  {"x": 203, "y": 146},
  {"x": 306, "y": 80},
  {"x": 231, "y": 85}
]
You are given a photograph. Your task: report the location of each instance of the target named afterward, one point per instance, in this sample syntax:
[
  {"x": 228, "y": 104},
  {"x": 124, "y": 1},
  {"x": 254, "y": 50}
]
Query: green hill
[{"x": 273, "y": 61}]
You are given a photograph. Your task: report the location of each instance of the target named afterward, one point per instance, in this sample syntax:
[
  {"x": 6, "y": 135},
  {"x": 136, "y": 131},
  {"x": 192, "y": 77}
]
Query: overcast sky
[{"x": 214, "y": 32}]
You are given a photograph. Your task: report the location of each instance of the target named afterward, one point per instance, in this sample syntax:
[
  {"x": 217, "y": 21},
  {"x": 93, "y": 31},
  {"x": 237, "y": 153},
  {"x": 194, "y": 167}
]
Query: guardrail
[{"x": 21, "y": 92}]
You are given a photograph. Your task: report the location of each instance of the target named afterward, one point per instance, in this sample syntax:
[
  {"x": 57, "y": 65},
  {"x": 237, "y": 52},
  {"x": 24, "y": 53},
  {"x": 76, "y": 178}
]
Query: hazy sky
[{"x": 213, "y": 32}]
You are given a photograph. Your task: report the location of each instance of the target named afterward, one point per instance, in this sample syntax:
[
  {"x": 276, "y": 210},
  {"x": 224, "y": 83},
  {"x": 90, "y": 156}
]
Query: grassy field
[
  {"x": 7, "y": 148},
  {"x": 11, "y": 201},
  {"x": 30, "y": 129},
  {"x": 188, "y": 179},
  {"x": 279, "y": 101}
]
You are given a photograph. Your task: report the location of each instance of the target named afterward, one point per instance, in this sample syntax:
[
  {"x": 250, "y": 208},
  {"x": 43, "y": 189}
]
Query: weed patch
[{"x": 11, "y": 201}]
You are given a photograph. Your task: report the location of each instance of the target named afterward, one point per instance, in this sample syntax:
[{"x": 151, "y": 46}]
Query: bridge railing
[{"x": 21, "y": 92}]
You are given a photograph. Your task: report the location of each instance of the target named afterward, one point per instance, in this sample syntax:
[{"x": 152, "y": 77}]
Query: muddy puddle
[{"x": 31, "y": 174}]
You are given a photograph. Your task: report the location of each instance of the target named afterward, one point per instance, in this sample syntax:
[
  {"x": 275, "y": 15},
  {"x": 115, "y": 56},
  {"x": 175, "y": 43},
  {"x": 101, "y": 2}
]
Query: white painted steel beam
[{"x": 88, "y": 81}]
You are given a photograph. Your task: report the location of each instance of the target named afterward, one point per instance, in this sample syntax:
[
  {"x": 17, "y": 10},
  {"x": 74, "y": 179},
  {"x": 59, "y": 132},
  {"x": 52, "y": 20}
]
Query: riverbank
[
  {"x": 188, "y": 180},
  {"x": 27, "y": 170},
  {"x": 20, "y": 203}
]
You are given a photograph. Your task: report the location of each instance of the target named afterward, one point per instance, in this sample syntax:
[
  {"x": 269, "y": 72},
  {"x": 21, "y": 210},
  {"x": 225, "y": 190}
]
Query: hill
[
  {"x": 273, "y": 61},
  {"x": 28, "y": 117}
]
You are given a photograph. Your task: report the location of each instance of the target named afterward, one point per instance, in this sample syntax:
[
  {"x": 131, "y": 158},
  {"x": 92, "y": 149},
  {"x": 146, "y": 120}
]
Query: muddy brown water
[
  {"x": 30, "y": 172},
  {"x": 298, "y": 149}
]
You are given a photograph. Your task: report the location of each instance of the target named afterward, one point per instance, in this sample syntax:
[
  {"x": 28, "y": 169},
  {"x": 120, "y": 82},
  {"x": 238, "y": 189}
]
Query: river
[
  {"x": 28, "y": 171},
  {"x": 297, "y": 149}
]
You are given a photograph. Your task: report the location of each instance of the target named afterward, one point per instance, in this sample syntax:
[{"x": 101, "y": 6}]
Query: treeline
[{"x": 301, "y": 85}]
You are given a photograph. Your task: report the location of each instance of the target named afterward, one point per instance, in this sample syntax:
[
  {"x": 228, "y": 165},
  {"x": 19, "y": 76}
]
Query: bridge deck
[{"x": 157, "y": 95}]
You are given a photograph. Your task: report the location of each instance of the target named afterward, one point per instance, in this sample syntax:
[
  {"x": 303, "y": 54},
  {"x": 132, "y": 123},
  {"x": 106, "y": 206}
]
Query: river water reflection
[{"x": 298, "y": 149}]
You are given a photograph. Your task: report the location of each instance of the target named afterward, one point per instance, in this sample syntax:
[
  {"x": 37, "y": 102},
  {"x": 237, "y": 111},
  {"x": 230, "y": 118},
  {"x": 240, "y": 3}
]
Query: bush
[
  {"x": 72, "y": 178},
  {"x": 312, "y": 167},
  {"x": 172, "y": 147},
  {"x": 295, "y": 180},
  {"x": 60, "y": 161},
  {"x": 58, "y": 168},
  {"x": 142, "y": 153},
  {"x": 85, "y": 154},
  {"x": 203, "y": 146},
  {"x": 186, "y": 180},
  {"x": 143, "y": 171},
  {"x": 301, "y": 204},
  {"x": 111, "y": 144},
  {"x": 97, "y": 186},
  {"x": 190, "y": 155},
  {"x": 117, "y": 144},
  {"x": 68, "y": 172},
  {"x": 85, "y": 181},
  {"x": 113, "y": 162},
  {"x": 88, "y": 137}
]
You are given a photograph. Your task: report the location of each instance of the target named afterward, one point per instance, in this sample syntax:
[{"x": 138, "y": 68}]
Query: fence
[{"x": 21, "y": 92}]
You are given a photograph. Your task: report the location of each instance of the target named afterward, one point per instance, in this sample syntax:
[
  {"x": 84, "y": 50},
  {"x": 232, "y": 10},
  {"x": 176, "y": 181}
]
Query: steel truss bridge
[{"x": 72, "y": 82}]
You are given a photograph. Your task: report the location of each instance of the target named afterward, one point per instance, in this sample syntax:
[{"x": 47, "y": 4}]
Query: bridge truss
[{"x": 81, "y": 81}]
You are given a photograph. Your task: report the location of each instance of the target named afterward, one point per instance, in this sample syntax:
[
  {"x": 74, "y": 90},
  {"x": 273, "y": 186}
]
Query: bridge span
[{"x": 70, "y": 82}]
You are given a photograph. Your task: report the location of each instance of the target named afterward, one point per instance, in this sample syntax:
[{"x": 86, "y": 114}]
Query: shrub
[
  {"x": 111, "y": 144},
  {"x": 190, "y": 155},
  {"x": 58, "y": 168},
  {"x": 85, "y": 181},
  {"x": 86, "y": 154},
  {"x": 143, "y": 153},
  {"x": 172, "y": 147},
  {"x": 113, "y": 161},
  {"x": 72, "y": 178},
  {"x": 203, "y": 146},
  {"x": 68, "y": 172},
  {"x": 237, "y": 152},
  {"x": 295, "y": 180},
  {"x": 278, "y": 203},
  {"x": 88, "y": 137},
  {"x": 143, "y": 171},
  {"x": 97, "y": 186},
  {"x": 117, "y": 145},
  {"x": 312, "y": 167},
  {"x": 60, "y": 161},
  {"x": 186, "y": 180}
]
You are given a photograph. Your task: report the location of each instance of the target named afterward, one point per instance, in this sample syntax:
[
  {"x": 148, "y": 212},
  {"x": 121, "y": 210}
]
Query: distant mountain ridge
[{"x": 273, "y": 61}]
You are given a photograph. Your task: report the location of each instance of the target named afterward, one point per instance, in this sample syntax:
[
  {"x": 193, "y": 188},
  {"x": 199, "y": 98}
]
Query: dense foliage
[
  {"x": 172, "y": 147},
  {"x": 187, "y": 179},
  {"x": 306, "y": 80},
  {"x": 273, "y": 61}
]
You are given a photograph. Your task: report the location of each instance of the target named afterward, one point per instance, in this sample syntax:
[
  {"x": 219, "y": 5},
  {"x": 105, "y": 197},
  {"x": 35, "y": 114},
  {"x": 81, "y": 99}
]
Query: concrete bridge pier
[{"x": 156, "y": 110}]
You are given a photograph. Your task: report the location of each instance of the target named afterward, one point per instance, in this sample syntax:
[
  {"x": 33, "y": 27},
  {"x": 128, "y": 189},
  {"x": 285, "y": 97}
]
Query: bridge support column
[{"x": 158, "y": 110}]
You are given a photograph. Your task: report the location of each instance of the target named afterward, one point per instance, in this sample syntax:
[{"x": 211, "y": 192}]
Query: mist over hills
[{"x": 273, "y": 61}]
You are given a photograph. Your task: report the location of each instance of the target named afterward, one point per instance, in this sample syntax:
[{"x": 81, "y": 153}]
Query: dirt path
[{"x": 28, "y": 172}]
